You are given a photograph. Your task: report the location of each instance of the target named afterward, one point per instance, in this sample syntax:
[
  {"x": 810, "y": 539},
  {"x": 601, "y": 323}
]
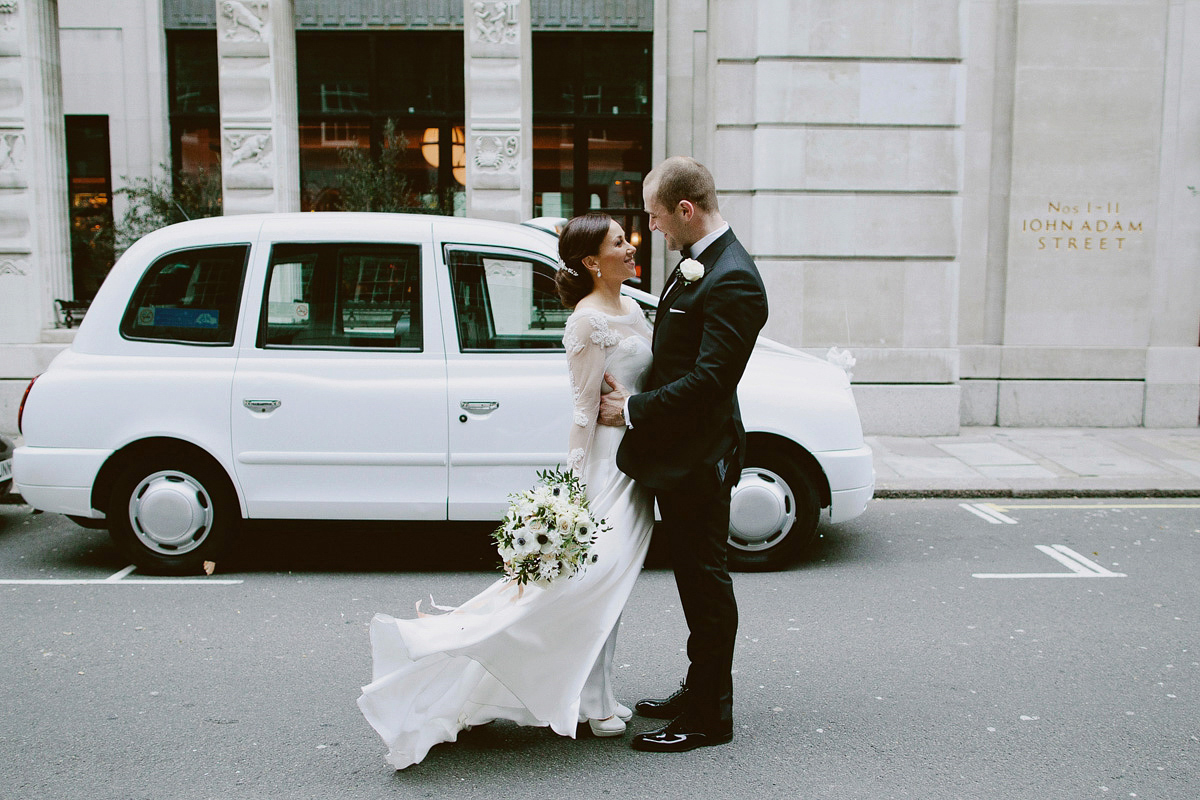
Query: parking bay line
[
  {"x": 1085, "y": 506},
  {"x": 990, "y": 512},
  {"x": 118, "y": 578},
  {"x": 1080, "y": 566}
]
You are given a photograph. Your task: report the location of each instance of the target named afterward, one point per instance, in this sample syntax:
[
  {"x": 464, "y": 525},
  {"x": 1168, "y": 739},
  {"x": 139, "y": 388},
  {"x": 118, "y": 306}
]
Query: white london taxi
[{"x": 367, "y": 367}]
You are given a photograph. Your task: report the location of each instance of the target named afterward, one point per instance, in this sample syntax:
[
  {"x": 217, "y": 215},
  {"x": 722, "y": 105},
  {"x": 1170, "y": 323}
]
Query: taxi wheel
[
  {"x": 773, "y": 511},
  {"x": 171, "y": 514}
]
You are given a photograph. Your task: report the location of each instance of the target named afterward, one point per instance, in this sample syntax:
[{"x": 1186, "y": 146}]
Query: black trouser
[{"x": 695, "y": 516}]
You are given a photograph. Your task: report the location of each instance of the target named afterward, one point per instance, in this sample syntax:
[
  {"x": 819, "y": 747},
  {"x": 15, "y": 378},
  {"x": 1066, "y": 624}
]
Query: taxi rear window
[{"x": 189, "y": 297}]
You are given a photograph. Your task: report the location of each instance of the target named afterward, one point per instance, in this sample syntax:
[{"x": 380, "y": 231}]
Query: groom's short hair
[{"x": 683, "y": 178}]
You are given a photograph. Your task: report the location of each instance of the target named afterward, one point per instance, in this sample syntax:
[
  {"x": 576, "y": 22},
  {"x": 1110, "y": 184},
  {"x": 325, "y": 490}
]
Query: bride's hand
[{"x": 612, "y": 405}]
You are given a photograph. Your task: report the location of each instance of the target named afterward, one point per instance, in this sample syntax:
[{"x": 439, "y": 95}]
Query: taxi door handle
[
  {"x": 262, "y": 406},
  {"x": 479, "y": 405}
]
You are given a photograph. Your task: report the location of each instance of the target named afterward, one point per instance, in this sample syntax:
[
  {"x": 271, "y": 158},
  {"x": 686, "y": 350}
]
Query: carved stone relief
[
  {"x": 252, "y": 149},
  {"x": 10, "y": 267},
  {"x": 8, "y": 10},
  {"x": 497, "y": 153},
  {"x": 495, "y": 21},
  {"x": 243, "y": 20},
  {"x": 12, "y": 151}
]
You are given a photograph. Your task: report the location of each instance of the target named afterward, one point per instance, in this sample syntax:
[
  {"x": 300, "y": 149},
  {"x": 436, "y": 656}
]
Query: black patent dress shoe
[
  {"x": 680, "y": 736},
  {"x": 666, "y": 708}
]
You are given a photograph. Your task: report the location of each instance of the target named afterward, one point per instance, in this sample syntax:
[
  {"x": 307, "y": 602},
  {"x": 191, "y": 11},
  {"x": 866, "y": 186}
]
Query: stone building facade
[{"x": 992, "y": 204}]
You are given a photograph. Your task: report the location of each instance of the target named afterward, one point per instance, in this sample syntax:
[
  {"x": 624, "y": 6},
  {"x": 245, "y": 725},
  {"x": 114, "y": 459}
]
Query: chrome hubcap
[
  {"x": 170, "y": 512},
  {"x": 762, "y": 509}
]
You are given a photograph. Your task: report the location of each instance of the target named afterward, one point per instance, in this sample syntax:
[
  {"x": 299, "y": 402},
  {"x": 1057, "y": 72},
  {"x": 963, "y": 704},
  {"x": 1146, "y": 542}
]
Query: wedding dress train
[{"x": 535, "y": 656}]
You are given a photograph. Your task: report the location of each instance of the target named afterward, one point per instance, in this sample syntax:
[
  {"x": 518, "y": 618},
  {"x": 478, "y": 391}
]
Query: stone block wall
[
  {"x": 837, "y": 147},
  {"x": 1080, "y": 300}
]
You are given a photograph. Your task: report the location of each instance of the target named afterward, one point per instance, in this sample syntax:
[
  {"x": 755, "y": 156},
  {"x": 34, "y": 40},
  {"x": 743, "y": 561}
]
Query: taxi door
[
  {"x": 339, "y": 400},
  {"x": 508, "y": 391}
]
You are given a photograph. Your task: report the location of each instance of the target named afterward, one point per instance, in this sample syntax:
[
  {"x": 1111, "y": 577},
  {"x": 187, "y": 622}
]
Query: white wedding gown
[{"x": 540, "y": 657}]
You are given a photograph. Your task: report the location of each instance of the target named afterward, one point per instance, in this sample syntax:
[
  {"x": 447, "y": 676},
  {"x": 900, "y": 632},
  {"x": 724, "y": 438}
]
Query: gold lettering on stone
[{"x": 1098, "y": 222}]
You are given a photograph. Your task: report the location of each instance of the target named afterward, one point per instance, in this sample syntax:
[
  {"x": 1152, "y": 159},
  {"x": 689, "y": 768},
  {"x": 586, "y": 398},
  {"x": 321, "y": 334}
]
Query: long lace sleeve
[{"x": 585, "y": 364}]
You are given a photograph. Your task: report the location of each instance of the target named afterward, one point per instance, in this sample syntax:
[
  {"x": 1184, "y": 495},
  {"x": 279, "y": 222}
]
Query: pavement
[
  {"x": 1037, "y": 462},
  {"x": 1040, "y": 462}
]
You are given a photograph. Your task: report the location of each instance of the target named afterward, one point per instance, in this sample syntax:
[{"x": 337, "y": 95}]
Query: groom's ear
[{"x": 687, "y": 209}]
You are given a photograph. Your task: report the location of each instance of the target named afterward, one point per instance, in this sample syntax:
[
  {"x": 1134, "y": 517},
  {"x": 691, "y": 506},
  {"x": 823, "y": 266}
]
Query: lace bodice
[{"x": 597, "y": 343}]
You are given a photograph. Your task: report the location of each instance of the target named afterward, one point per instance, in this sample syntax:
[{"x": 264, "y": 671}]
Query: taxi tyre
[
  {"x": 171, "y": 513},
  {"x": 774, "y": 509}
]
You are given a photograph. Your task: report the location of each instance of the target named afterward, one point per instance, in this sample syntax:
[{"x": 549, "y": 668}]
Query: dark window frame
[
  {"x": 583, "y": 123},
  {"x": 180, "y": 119},
  {"x": 376, "y": 112},
  {"x": 90, "y": 259}
]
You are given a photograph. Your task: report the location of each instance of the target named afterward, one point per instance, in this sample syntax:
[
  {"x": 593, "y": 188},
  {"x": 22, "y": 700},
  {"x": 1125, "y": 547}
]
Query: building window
[
  {"x": 194, "y": 102},
  {"x": 591, "y": 128},
  {"x": 350, "y": 85},
  {"x": 89, "y": 181}
]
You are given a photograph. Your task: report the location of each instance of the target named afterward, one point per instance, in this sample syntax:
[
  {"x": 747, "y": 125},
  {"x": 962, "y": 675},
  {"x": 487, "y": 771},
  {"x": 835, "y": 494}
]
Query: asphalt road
[{"x": 882, "y": 667}]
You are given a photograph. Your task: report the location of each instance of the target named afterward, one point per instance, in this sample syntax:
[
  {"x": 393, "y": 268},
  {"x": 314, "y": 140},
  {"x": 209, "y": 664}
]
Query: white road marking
[
  {"x": 1063, "y": 558},
  {"x": 106, "y": 582},
  {"x": 1086, "y": 562},
  {"x": 118, "y": 578},
  {"x": 1080, "y": 567},
  {"x": 989, "y": 512},
  {"x": 1090, "y": 506}
]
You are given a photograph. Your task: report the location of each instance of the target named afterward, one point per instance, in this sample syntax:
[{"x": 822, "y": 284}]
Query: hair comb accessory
[{"x": 562, "y": 265}]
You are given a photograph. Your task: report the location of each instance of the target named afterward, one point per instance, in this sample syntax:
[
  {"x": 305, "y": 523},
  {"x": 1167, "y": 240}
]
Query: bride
[{"x": 538, "y": 656}]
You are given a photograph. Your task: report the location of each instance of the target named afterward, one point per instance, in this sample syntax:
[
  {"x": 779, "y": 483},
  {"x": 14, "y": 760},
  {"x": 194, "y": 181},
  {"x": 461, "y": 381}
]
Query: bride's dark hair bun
[{"x": 580, "y": 238}]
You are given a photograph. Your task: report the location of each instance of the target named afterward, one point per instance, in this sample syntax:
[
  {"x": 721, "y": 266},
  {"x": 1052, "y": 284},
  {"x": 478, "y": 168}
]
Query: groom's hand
[{"x": 612, "y": 405}]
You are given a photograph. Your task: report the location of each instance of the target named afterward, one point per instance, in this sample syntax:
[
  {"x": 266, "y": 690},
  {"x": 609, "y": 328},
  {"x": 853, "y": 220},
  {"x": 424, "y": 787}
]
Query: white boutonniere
[{"x": 691, "y": 270}]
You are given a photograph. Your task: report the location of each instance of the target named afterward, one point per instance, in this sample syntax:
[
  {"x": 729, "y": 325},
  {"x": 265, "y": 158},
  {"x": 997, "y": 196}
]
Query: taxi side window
[
  {"x": 505, "y": 302},
  {"x": 189, "y": 297},
  {"x": 343, "y": 296}
]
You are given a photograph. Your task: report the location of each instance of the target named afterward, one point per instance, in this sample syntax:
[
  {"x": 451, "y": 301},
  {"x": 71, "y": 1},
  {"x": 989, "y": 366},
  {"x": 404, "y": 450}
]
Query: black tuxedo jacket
[{"x": 687, "y": 416}]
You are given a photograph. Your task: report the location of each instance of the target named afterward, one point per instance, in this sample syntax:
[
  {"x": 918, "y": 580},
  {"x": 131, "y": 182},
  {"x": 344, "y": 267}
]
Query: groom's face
[{"x": 670, "y": 222}]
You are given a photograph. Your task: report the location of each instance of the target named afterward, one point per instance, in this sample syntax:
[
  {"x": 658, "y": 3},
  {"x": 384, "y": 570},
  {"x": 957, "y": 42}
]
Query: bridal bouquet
[{"x": 548, "y": 531}]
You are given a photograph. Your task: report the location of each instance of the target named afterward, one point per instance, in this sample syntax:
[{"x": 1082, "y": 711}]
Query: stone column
[
  {"x": 499, "y": 102},
  {"x": 260, "y": 154},
  {"x": 1083, "y": 246},
  {"x": 35, "y": 265}
]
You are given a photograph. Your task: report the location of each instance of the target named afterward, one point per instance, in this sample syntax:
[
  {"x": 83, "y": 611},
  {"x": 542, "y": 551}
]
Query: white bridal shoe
[
  {"x": 613, "y": 726},
  {"x": 623, "y": 713}
]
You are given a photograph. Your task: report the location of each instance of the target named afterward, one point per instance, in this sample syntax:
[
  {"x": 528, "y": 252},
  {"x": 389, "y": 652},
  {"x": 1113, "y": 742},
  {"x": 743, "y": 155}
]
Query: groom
[{"x": 686, "y": 441}]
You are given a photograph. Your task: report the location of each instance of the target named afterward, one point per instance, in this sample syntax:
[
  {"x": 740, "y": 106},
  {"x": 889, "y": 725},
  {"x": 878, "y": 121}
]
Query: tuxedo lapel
[{"x": 678, "y": 284}]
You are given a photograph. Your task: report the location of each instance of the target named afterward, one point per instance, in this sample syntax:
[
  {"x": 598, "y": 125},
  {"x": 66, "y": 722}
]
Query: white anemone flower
[{"x": 524, "y": 542}]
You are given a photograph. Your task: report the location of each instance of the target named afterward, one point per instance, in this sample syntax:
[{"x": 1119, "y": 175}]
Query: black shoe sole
[
  {"x": 658, "y": 713},
  {"x": 708, "y": 741}
]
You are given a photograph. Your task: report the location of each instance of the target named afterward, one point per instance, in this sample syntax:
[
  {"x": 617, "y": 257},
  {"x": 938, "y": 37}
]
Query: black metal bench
[{"x": 71, "y": 312}]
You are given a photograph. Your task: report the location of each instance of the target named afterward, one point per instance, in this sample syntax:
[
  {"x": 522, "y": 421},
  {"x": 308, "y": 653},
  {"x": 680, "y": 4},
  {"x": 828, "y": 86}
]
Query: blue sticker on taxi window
[{"x": 179, "y": 317}]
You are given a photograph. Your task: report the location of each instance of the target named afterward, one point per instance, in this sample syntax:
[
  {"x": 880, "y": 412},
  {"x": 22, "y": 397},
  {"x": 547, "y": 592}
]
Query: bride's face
[{"x": 615, "y": 259}]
